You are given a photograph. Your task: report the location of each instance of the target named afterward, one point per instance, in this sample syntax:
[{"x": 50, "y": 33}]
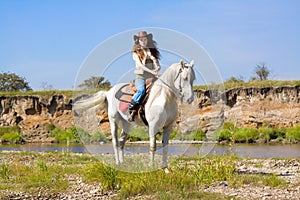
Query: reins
[{"x": 172, "y": 89}]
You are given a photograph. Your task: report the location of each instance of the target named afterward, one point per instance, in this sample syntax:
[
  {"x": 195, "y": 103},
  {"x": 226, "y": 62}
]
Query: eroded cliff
[{"x": 249, "y": 107}]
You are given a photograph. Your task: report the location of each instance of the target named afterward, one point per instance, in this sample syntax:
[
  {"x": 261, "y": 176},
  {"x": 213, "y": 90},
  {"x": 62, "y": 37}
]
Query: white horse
[{"x": 161, "y": 109}]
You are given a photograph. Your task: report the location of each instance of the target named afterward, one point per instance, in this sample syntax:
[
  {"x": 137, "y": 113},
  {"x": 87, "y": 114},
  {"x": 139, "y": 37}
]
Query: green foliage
[
  {"x": 84, "y": 136},
  {"x": 42, "y": 93},
  {"x": 94, "y": 82},
  {"x": 229, "y": 125},
  {"x": 77, "y": 135},
  {"x": 262, "y": 72},
  {"x": 9, "y": 129},
  {"x": 245, "y": 135},
  {"x": 293, "y": 134},
  {"x": 49, "y": 127},
  {"x": 267, "y": 133},
  {"x": 62, "y": 135},
  {"x": 138, "y": 134},
  {"x": 12, "y": 137},
  {"x": 12, "y": 82},
  {"x": 224, "y": 135},
  {"x": 174, "y": 135},
  {"x": 198, "y": 135},
  {"x": 253, "y": 83},
  {"x": 270, "y": 180},
  {"x": 104, "y": 174},
  {"x": 4, "y": 171},
  {"x": 98, "y": 137},
  {"x": 187, "y": 175}
]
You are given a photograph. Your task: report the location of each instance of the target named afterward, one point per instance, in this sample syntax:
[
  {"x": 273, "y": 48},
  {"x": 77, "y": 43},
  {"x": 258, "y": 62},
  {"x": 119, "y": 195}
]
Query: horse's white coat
[{"x": 161, "y": 108}]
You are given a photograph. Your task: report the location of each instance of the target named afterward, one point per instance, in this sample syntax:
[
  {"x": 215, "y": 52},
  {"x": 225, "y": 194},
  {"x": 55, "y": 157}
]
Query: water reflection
[{"x": 241, "y": 150}]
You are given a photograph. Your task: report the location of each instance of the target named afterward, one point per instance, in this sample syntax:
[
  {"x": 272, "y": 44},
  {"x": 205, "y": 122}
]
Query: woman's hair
[{"x": 151, "y": 44}]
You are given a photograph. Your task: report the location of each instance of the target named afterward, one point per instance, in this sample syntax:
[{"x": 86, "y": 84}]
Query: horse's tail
[{"x": 96, "y": 101}]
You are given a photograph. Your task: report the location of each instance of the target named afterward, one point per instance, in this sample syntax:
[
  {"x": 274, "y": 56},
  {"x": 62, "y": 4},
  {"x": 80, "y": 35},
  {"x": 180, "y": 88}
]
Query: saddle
[{"x": 125, "y": 94}]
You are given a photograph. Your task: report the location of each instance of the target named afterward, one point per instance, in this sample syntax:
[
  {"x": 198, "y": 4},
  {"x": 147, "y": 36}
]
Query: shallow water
[{"x": 241, "y": 150}]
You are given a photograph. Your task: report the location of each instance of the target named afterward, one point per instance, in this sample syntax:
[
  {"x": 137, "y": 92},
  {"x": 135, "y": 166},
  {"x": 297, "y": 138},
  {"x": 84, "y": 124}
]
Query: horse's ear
[
  {"x": 181, "y": 63},
  {"x": 192, "y": 63}
]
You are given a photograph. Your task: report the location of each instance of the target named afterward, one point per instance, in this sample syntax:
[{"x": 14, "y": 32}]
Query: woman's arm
[
  {"x": 156, "y": 63},
  {"x": 139, "y": 64}
]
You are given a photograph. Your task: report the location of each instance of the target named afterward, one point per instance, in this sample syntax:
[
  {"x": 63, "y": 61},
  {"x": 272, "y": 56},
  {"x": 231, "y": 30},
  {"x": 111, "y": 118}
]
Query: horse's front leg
[{"x": 152, "y": 132}]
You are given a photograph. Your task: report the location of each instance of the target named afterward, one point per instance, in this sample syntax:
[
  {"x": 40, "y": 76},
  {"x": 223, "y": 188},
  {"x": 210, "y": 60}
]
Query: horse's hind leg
[
  {"x": 115, "y": 142},
  {"x": 152, "y": 132},
  {"x": 165, "y": 141},
  {"x": 123, "y": 138}
]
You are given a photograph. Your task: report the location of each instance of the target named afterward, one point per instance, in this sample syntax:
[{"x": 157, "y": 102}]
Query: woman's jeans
[{"x": 141, "y": 90}]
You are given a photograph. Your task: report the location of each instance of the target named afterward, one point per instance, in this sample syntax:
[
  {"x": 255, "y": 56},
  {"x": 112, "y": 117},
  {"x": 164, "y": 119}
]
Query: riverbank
[{"x": 56, "y": 175}]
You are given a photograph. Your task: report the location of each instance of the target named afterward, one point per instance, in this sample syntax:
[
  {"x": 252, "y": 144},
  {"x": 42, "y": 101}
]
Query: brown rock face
[
  {"x": 33, "y": 113},
  {"x": 246, "y": 107},
  {"x": 251, "y": 107}
]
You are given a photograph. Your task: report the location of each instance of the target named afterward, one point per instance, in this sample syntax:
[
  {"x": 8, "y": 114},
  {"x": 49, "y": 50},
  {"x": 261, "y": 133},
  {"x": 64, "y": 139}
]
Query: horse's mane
[{"x": 165, "y": 84}]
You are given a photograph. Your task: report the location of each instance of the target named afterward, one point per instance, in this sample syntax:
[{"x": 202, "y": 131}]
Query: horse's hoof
[{"x": 167, "y": 171}]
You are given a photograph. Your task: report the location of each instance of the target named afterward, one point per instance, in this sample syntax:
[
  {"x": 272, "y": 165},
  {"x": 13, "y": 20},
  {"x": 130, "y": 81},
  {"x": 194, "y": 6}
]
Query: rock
[{"x": 245, "y": 107}]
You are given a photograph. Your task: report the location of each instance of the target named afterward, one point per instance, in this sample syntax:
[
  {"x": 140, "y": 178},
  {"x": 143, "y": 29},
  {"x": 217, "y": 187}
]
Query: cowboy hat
[{"x": 142, "y": 34}]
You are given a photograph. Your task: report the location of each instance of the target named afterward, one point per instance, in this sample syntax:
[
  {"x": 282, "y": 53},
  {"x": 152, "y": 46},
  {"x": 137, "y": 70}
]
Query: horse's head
[{"x": 184, "y": 81}]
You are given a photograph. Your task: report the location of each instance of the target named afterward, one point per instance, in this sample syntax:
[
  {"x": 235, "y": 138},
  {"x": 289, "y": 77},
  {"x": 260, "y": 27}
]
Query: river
[{"x": 241, "y": 150}]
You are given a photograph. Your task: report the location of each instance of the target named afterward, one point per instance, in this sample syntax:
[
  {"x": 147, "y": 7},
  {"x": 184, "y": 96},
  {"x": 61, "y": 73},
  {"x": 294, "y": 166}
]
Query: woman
[{"x": 146, "y": 57}]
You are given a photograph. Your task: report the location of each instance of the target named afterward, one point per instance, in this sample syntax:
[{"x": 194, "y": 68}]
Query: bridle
[{"x": 177, "y": 76}]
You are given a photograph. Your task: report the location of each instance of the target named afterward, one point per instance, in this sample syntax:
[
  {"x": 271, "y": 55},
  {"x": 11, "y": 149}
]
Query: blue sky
[{"x": 47, "y": 41}]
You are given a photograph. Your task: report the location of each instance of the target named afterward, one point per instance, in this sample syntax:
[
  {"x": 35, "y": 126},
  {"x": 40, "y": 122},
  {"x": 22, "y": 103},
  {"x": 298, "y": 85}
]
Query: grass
[
  {"x": 31, "y": 171},
  {"x": 227, "y": 85},
  {"x": 253, "y": 83},
  {"x": 67, "y": 93}
]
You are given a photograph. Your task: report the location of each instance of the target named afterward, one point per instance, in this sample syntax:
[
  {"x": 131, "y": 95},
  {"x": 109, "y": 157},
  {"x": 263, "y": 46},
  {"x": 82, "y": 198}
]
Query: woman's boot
[{"x": 132, "y": 109}]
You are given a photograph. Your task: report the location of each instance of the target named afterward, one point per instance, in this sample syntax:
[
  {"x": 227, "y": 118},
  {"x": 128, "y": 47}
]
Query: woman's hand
[{"x": 155, "y": 73}]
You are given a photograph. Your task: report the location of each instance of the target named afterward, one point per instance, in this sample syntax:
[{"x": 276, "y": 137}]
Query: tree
[
  {"x": 46, "y": 86},
  {"x": 12, "y": 82},
  {"x": 95, "y": 82},
  {"x": 262, "y": 72}
]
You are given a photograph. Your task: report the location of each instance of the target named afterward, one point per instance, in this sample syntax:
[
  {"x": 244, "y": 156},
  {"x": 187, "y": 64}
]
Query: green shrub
[
  {"x": 267, "y": 134},
  {"x": 84, "y": 136},
  {"x": 69, "y": 135},
  {"x": 138, "y": 134},
  {"x": 229, "y": 126},
  {"x": 12, "y": 138},
  {"x": 99, "y": 137},
  {"x": 9, "y": 129},
  {"x": 293, "y": 134},
  {"x": 245, "y": 135},
  {"x": 174, "y": 135},
  {"x": 50, "y": 127},
  {"x": 224, "y": 135},
  {"x": 198, "y": 135}
]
